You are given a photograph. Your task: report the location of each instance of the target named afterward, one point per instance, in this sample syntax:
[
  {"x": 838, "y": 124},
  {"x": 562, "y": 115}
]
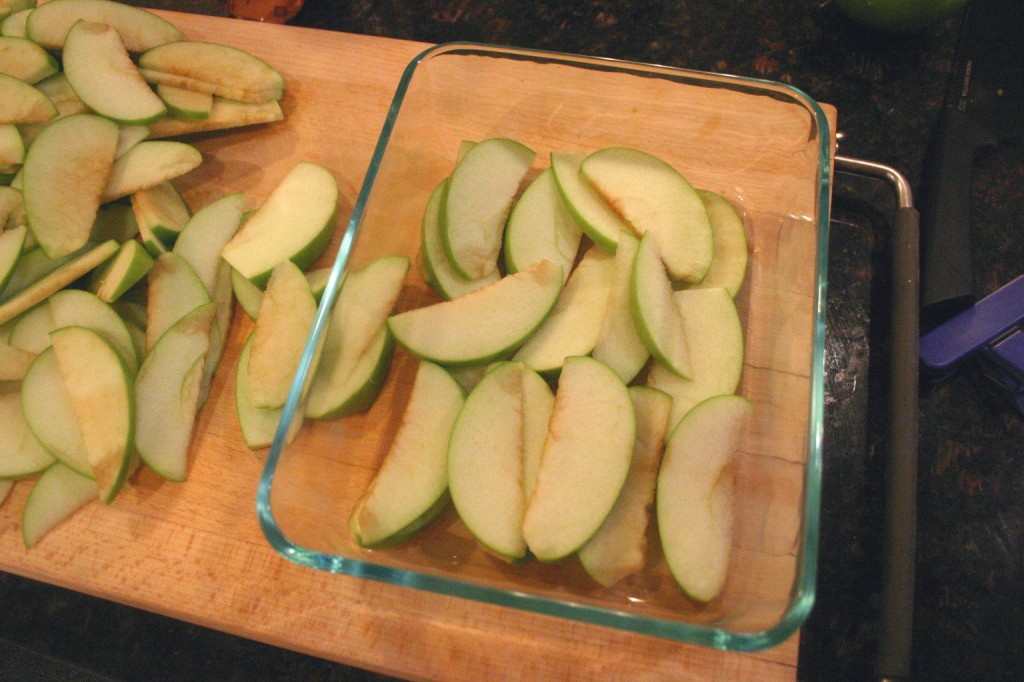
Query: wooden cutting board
[{"x": 195, "y": 552}]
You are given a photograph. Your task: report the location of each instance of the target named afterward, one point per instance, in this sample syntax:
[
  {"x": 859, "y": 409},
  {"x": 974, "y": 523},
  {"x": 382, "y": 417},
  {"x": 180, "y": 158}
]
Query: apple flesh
[
  {"x": 49, "y": 414},
  {"x": 50, "y": 23},
  {"x": 592, "y": 213},
  {"x": 23, "y": 455},
  {"x": 25, "y": 60},
  {"x": 540, "y": 227},
  {"x": 58, "y": 494},
  {"x": 147, "y": 164},
  {"x": 21, "y": 102},
  {"x": 214, "y": 69},
  {"x": 655, "y": 314},
  {"x": 174, "y": 290},
  {"x": 618, "y": 344},
  {"x": 729, "y": 264}
]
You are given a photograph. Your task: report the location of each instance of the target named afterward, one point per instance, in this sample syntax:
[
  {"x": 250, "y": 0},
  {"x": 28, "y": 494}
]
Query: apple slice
[
  {"x": 651, "y": 196},
  {"x": 31, "y": 331},
  {"x": 167, "y": 393},
  {"x": 538, "y": 403},
  {"x": 33, "y": 265},
  {"x": 11, "y": 244},
  {"x": 162, "y": 211},
  {"x": 65, "y": 171},
  {"x": 12, "y": 150},
  {"x": 575, "y": 321},
  {"x": 114, "y": 221},
  {"x": 20, "y": 102},
  {"x": 79, "y": 308},
  {"x": 58, "y": 494},
  {"x": 149, "y": 163},
  {"x": 206, "y": 233},
  {"x": 696, "y": 487},
  {"x": 174, "y": 290},
  {"x": 224, "y": 300},
  {"x": 655, "y": 314},
  {"x": 618, "y": 343},
  {"x": 60, "y": 94},
  {"x": 477, "y": 202},
  {"x": 540, "y": 227},
  {"x": 295, "y": 223},
  {"x": 141, "y": 30},
  {"x": 485, "y": 462},
  {"x": 729, "y": 264},
  {"x": 439, "y": 271},
  {"x": 25, "y": 60},
  {"x": 585, "y": 462},
  {"x": 12, "y": 207},
  {"x": 49, "y": 415},
  {"x": 14, "y": 362},
  {"x": 103, "y": 400},
  {"x": 715, "y": 338},
  {"x": 14, "y": 23},
  {"x": 360, "y": 314},
  {"x": 224, "y": 114},
  {"x": 250, "y": 296},
  {"x": 23, "y": 456},
  {"x": 212, "y": 68},
  {"x": 619, "y": 548},
  {"x": 105, "y": 78},
  {"x": 128, "y": 136},
  {"x": 279, "y": 336},
  {"x": 411, "y": 487},
  {"x": 592, "y": 213},
  {"x": 185, "y": 104},
  {"x": 129, "y": 266},
  {"x": 258, "y": 424}
]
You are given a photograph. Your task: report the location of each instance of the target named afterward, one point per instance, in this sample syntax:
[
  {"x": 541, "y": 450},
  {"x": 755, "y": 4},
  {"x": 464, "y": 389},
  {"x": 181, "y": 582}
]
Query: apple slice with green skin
[
  {"x": 224, "y": 114},
  {"x": 696, "y": 487},
  {"x": 715, "y": 337},
  {"x": 439, "y": 271},
  {"x": 592, "y": 213},
  {"x": 34, "y": 265},
  {"x": 11, "y": 244},
  {"x": 655, "y": 314},
  {"x": 49, "y": 415},
  {"x": 585, "y": 462},
  {"x": 129, "y": 266},
  {"x": 53, "y": 282},
  {"x": 21, "y": 102},
  {"x": 79, "y": 308},
  {"x": 12, "y": 148},
  {"x": 540, "y": 227},
  {"x": 729, "y": 264},
  {"x": 223, "y": 298},
  {"x": 477, "y": 202},
  {"x": 14, "y": 23},
  {"x": 295, "y": 223},
  {"x": 573, "y": 325},
  {"x": 185, "y": 104},
  {"x": 128, "y": 136},
  {"x": 58, "y": 494},
  {"x": 141, "y": 30},
  {"x": 279, "y": 336},
  {"x": 619, "y": 548},
  {"x": 411, "y": 486},
  {"x": 14, "y": 362},
  {"x": 60, "y": 94},
  {"x": 483, "y": 325},
  {"x": 24, "y": 59},
  {"x": 114, "y": 221},
  {"x": 65, "y": 171},
  {"x": 21, "y": 455},
  {"x": 103, "y": 399},
  {"x": 538, "y": 403},
  {"x": 12, "y": 207},
  {"x": 162, "y": 210},
  {"x": 250, "y": 296},
  {"x": 105, "y": 77},
  {"x": 31, "y": 331},
  {"x": 174, "y": 290},
  {"x": 214, "y": 69},
  {"x": 652, "y": 196},
  {"x": 366, "y": 298},
  {"x": 149, "y": 163},
  {"x": 206, "y": 233},
  {"x": 258, "y": 424},
  {"x": 485, "y": 462},
  {"x": 167, "y": 393},
  {"x": 618, "y": 343}
]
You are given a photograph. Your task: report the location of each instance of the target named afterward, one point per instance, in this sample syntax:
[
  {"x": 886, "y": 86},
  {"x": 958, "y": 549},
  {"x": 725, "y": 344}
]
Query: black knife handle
[{"x": 947, "y": 268}]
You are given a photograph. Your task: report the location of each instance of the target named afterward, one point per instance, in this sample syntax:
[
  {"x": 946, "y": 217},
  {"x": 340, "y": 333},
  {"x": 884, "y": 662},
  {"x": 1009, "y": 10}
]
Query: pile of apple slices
[{"x": 581, "y": 369}]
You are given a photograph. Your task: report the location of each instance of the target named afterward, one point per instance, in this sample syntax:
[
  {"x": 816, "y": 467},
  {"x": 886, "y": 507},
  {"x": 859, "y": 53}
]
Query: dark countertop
[{"x": 888, "y": 89}]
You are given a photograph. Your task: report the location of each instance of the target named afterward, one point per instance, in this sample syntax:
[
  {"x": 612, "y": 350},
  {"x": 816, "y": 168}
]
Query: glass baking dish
[{"x": 765, "y": 146}]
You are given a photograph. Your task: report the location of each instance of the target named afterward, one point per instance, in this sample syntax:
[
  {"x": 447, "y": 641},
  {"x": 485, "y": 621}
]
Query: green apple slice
[
  {"x": 79, "y": 308},
  {"x": 25, "y": 60},
  {"x": 411, "y": 486},
  {"x": 439, "y": 271},
  {"x": 540, "y": 227},
  {"x": 174, "y": 290},
  {"x": 206, "y": 233},
  {"x": 250, "y": 296},
  {"x": 715, "y": 337},
  {"x": 477, "y": 202},
  {"x": 103, "y": 400},
  {"x": 128, "y": 267},
  {"x": 58, "y": 494},
  {"x": 258, "y": 424},
  {"x": 224, "y": 114},
  {"x": 619, "y": 548},
  {"x": 128, "y": 136},
  {"x": 360, "y": 314},
  {"x": 20, "y": 102},
  {"x": 185, "y": 104},
  {"x": 652, "y": 196},
  {"x": 31, "y": 331},
  {"x": 655, "y": 314},
  {"x": 167, "y": 393},
  {"x": 14, "y": 362},
  {"x": 538, "y": 403},
  {"x": 592, "y": 213},
  {"x": 295, "y": 223},
  {"x": 162, "y": 211},
  {"x": 65, "y": 171},
  {"x": 212, "y": 68},
  {"x": 585, "y": 462},
  {"x": 34, "y": 265},
  {"x": 141, "y": 30},
  {"x": 21, "y": 455},
  {"x": 484, "y": 325},
  {"x": 14, "y": 23},
  {"x": 12, "y": 149},
  {"x": 11, "y": 244},
  {"x": 12, "y": 207},
  {"x": 279, "y": 336},
  {"x": 53, "y": 282},
  {"x": 59, "y": 92},
  {"x": 573, "y": 325},
  {"x": 224, "y": 300},
  {"x": 49, "y": 415},
  {"x": 696, "y": 487},
  {"x": 149, "y": 163},
  {"x": 618, "y": 343},
  {"x": 114, "y": 221},
  {"x": 485, "y": 462},
  {"x": 729, "y": 264},
  {"x": 105, "y": 78}
]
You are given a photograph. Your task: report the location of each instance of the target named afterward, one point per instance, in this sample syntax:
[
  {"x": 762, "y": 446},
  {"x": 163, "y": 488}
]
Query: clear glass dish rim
[{"x": 716, "y": 637}]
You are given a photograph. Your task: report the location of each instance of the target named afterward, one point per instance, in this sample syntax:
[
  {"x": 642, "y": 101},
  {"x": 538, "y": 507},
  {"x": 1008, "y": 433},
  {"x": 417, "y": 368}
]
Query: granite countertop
[{"x": 969, "y": 617}]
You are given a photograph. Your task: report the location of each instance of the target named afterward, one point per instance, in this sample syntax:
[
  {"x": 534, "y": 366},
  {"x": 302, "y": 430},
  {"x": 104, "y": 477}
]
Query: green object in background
[{"x": 899, "y": 15}]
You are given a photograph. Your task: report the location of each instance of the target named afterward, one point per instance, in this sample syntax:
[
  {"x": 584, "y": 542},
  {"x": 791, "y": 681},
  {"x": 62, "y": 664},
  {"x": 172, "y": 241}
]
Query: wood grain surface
[{"x": 195, "y": 552}]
